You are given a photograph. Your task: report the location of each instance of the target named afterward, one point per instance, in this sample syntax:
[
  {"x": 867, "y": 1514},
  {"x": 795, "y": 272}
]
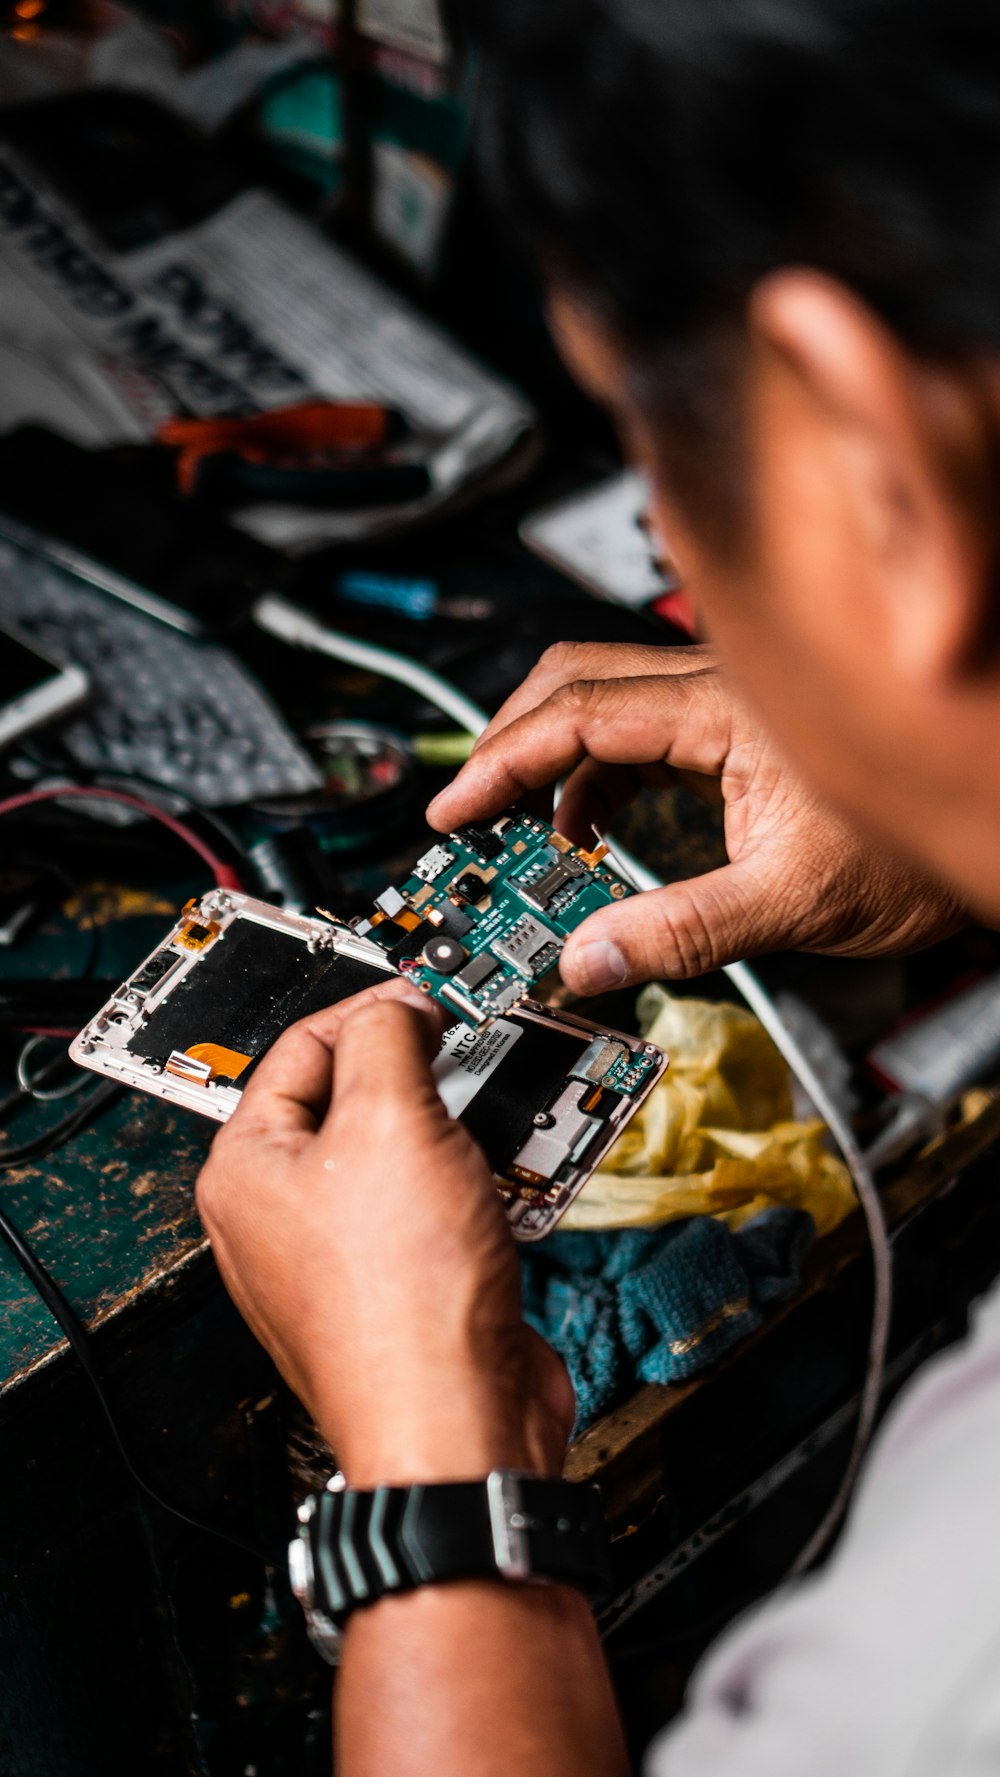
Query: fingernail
[
  {"x": 599, "y": 965},
  {"x": 412, "y": 996}
]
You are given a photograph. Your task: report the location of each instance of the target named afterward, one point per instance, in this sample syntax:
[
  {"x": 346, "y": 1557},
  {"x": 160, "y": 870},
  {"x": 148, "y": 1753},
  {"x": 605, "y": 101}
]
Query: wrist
[{"x": 442, "y": 1434}]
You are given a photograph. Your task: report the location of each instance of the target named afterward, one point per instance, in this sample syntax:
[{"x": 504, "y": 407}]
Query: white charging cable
[
  {"x": 763, "y": 1007},
  {"x": 279, "y": 617}
]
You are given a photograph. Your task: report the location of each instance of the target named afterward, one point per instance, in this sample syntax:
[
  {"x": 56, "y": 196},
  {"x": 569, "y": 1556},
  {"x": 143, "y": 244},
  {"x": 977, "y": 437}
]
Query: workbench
[
  {"x": 134, "y": 1644},
  {"x": 130, "y": 1643}
]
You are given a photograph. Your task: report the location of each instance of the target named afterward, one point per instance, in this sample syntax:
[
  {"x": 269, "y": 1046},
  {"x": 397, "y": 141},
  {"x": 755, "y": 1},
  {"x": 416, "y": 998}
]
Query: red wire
[{"x": 225, "y": 876}]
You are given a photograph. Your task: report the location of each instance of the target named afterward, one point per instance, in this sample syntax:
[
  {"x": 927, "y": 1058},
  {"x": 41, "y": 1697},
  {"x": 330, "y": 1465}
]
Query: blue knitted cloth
[{"x": 657, "y": 1305}]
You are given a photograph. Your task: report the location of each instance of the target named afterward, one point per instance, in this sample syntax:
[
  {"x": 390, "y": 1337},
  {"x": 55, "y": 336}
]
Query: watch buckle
[{"x": 508, "y": 1523}]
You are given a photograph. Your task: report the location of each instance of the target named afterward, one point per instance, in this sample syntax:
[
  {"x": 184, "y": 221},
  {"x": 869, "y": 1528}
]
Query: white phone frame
[{"x": 104, "y": 1044}]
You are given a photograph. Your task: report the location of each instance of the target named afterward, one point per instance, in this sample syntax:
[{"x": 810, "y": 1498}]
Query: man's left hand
[{"x": 358, "y": 1230}]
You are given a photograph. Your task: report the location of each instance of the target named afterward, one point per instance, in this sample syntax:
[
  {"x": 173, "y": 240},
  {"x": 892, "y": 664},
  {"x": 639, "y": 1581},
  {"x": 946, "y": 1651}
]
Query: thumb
[
  {"x": 382, "y": 1064},
  {"x": 678, "y": 932}
]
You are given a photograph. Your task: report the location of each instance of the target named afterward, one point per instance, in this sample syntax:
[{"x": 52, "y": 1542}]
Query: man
[{"x": 770, "y": 235}]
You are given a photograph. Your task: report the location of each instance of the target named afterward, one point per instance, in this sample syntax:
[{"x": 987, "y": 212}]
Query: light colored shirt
[{"x": 887, "y": 1663}]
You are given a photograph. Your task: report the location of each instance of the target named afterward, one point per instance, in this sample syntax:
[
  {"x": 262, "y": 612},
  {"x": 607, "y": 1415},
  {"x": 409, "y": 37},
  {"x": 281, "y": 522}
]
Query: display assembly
[
  {"x": 484, "y": 915},
  {"x": 544, "y": 1094}
]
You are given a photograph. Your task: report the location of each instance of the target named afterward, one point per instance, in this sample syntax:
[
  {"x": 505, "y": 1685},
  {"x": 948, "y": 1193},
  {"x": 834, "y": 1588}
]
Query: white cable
[
  {"x": 301, "y": 630},
  {"x": 865, "y": 1188},
  {"x": 763, "y": 1007}
]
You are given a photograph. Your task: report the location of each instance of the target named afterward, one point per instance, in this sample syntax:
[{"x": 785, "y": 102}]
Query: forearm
[
  {"x": 488, "y": 1678},
  {"x": 389, "y": 1299}
]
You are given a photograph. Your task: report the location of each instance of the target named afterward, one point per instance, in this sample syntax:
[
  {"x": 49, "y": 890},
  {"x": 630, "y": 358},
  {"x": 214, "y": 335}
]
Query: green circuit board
[{"x": 483, "y": 917}]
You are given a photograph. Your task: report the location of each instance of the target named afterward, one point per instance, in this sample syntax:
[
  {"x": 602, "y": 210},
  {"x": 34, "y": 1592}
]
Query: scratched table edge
[
  {"x": 158, "y": 1277},
  {"x": 641, "y": 1417}
]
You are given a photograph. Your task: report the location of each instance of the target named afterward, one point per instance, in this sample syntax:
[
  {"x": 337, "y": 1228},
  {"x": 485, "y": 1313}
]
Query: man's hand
[
  {"x": 358, "y": 1230},
  {"x": 610, "y": 719}
]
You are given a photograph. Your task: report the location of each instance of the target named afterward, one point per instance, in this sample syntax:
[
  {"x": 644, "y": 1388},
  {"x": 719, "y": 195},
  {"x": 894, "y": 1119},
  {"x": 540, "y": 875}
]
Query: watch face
[{"x": 324, "y": 1634}]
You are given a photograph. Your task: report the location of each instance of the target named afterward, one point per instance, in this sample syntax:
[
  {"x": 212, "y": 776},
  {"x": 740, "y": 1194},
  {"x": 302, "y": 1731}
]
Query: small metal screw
[{"x": 542, "y": 1120}]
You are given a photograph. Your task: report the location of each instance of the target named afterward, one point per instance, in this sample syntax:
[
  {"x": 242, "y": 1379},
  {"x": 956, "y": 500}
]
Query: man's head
[{"x": 770, "y": 231}]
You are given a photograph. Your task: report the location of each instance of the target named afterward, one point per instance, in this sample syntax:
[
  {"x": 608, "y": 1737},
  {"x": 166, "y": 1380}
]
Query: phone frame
[{"x": 104, "y": 1046}]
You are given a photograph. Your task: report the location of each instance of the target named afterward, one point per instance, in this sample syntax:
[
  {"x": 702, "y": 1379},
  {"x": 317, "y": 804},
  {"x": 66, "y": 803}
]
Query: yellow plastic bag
[{"x": 716, "y": 1136}]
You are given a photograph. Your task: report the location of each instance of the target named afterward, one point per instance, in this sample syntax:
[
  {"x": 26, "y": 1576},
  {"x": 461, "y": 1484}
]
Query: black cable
[
  {"x": 38, "y": 1146},
  {"x": 72, "y": 1327},
  {"x": 11, "y": 1100},
  {"x": 182, "y": 799},
  {"x": 84, "y": 894},
  {"x": 51, "y": 756}
]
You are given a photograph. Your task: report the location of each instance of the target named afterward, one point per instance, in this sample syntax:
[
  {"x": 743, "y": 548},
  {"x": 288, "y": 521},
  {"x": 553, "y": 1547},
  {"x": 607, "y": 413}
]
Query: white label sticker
[{"x": 468, "y": 1058}]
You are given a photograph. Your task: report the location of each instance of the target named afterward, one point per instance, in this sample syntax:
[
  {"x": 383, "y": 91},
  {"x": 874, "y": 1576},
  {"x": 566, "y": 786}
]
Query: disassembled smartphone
[
  {"x": 483, "y": 917},
  {"x": 34, "y": 687},
  {"x": 543, "y": 1093}
]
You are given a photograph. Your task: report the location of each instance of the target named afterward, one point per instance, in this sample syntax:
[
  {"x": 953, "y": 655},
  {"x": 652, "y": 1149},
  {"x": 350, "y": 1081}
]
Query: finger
[
  {"x": 679, "y": 932},
  {"x": 684, "y": 721},
  {"x": 290, "y": 1090},
  {"x": 568, "y": 661},
  {"x": 384, "y": 1052}
]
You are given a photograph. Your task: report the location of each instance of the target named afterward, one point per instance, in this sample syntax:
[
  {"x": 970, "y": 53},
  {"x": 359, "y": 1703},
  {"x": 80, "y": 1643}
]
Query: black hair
[
  {"x": 660, "y": 156},
  {"x": 665, "y": 154}
]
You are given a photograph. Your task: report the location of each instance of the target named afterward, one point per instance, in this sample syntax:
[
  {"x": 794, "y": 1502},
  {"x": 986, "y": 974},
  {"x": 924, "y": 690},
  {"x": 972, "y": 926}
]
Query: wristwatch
[{"x": 353, "y": 1548}]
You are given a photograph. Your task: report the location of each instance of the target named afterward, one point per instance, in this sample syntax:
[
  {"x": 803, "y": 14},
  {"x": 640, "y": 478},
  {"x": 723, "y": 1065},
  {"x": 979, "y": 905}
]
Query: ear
[{"x": 903, "y": 439}]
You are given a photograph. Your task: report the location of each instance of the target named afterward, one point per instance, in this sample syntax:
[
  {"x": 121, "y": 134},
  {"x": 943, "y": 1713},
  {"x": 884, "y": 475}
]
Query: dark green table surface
[{"x": 113, "y": 1208}]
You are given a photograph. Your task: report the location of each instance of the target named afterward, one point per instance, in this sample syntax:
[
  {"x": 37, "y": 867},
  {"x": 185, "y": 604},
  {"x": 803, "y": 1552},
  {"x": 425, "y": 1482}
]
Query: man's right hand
[{"x": 610, "y": 718}]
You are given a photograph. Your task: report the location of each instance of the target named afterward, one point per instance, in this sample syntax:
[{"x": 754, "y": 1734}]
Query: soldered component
[
  {"x": 529, "y": 947},
  {"x": 445, "y": 955},
  {"x": 225, "y": 1064},
  {"x": 477, "y": 971},
  {"x": 598, "y": 1059},
  {"x": 433, "y": 864},
  {"x": 153, "y": 970},
  {"x": 390, "y": 902},
  {"x": 188, "y": 1067},
  {"x": 542, "y": 889},
  {"x": 197, "y": 934},
  {"x": 505, "y": 996},
  {"x": 513, "y": 891},
  {"x": 450, "y": 917},
  {"x": 471, "y": 887},
  {"x": 486, "y": 842}
]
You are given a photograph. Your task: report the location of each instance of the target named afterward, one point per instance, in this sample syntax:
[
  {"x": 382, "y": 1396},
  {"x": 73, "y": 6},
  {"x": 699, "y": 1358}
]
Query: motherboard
[{"x": 483, "y": 917}]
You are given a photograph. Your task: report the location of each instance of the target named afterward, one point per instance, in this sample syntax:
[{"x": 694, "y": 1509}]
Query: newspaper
[
  {"x": 411, "y": 25},
  {"x": 248, "y": 310}
]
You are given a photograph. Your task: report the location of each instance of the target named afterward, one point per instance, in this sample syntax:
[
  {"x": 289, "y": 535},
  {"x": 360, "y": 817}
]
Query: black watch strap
[{"x": 355, "y": 1547}]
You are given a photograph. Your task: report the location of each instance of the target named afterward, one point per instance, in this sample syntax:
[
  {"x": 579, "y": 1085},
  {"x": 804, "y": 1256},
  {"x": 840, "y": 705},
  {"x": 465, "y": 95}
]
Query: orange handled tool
[{"x": 308, "y": 429}]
